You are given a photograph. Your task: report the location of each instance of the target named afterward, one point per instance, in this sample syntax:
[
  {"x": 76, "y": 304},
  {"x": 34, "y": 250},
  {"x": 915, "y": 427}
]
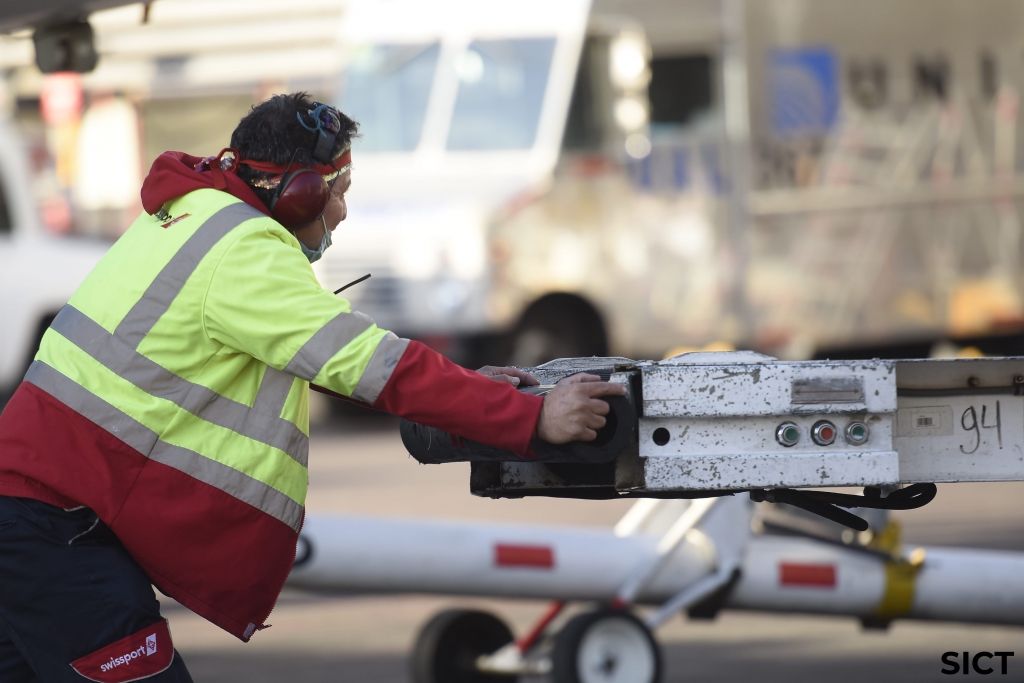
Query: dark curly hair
[{"x": 271, "y": 132}]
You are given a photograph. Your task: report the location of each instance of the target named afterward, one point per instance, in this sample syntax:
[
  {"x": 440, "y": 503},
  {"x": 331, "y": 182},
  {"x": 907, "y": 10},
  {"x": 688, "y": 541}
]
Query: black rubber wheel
[
  {"x": 448, "y": 646},
  {"x": 605, "y": 646},
  {"x": 555, "y": 326}
]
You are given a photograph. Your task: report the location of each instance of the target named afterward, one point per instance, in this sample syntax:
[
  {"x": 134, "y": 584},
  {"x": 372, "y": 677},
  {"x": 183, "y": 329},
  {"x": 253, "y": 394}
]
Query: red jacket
[{"x": 51, "y": 453}]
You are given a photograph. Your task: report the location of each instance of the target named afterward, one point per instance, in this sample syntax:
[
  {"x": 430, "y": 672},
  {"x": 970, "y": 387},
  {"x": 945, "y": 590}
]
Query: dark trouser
[{"x": 68, "y": 589}]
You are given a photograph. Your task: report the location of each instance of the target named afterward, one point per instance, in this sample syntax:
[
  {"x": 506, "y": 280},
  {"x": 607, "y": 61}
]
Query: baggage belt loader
[
  {"x": 693, "y": 433},
  {"x": 708, "y": 424}
]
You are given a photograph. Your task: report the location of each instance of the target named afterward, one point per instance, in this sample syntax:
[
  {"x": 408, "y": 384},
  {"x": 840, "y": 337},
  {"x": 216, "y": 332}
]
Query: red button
[{"x": 827, "y": 434}]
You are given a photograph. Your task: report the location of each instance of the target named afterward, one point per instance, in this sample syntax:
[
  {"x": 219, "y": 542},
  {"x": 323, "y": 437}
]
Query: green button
[{"x": 791, "y": 434}]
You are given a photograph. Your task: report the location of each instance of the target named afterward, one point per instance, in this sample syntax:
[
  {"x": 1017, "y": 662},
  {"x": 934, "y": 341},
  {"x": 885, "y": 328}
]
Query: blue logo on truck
[{"x": 804, "y": 90}]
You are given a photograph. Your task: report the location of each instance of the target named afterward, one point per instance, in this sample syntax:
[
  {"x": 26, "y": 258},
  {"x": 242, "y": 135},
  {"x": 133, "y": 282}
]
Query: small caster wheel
[
  {"x": 447, "y": 648},
  {"x": 605, "y": 646}
]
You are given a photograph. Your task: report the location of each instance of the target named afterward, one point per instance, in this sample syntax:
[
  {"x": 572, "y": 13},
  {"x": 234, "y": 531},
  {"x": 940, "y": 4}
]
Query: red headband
[{"x": 323, "y": 169}]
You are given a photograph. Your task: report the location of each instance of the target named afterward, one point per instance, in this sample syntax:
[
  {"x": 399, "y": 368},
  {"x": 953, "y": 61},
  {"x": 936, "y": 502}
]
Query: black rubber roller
[{"x": 433, "y": 446}]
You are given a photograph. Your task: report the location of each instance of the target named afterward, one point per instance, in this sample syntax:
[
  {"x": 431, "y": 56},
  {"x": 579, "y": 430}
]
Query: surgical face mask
[{"x": 314, "y": 254}]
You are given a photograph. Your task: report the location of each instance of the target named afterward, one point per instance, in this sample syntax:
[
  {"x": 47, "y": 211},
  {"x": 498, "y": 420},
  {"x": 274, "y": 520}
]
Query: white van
[
  {"x": 462, "y": 107},
  {"x": 38, "y": 272}
]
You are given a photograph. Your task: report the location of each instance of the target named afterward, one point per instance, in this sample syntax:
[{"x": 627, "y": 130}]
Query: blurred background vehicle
[
  {"x": 38, "y": 270},
  {"x": 627, "y": 178},
  {"x": 542, "y": 180}
]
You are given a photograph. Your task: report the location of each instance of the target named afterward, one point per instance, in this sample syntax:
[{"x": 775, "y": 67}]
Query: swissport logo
[
  {"x": 174, "y": 220},
  {"x": 140, "y": 655},
  {"x": 148, "y": 649}
]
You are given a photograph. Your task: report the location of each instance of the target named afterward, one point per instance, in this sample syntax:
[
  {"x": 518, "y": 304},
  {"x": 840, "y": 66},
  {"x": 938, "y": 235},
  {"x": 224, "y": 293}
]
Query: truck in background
[
  {"x": 623, "y": 177},
  {"x": 38, "y": 271}
]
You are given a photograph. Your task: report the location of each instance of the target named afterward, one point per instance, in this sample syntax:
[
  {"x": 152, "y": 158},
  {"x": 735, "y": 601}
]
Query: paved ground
[{"x": 364, "y": 639}]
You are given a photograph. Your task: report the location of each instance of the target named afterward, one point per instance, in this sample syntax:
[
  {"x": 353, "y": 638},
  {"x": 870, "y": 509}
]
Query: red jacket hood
[{"x": 173, "y": 175}]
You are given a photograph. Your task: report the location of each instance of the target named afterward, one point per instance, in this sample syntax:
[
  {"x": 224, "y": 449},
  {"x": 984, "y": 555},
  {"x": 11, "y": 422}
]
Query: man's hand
[
  {"x": 573, "y": 411},
  {"x": 513, "y": 376}
]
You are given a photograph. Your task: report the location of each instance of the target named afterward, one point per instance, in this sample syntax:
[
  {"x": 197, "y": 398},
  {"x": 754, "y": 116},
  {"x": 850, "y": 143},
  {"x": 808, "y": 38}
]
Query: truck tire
[
  {"x": 447, "y": 647},
  {"x": 559, "y": 326}
]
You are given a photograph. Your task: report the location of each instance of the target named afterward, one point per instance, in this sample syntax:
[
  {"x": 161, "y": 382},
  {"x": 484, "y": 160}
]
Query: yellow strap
[{"x": 900, "y": 578}]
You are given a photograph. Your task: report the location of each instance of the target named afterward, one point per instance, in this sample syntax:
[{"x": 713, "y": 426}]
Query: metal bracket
[
  {"x": 666, "y": 546},
  {"x": 693, "y": 594}
]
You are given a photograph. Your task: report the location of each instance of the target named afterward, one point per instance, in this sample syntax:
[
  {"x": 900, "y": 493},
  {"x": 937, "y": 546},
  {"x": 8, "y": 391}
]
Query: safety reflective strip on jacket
[
  {"x": 129, "y": 364},
  {"x": 172, "y": 278},
  {"x": 117, "y": 352},
  {"x": 334, "y": 336},
  {"x": 145, "y": 440},
  {"x": 346, "y": 349},
  {"x": 323, "y": 345},
  {"x": 378, "y": 371}
]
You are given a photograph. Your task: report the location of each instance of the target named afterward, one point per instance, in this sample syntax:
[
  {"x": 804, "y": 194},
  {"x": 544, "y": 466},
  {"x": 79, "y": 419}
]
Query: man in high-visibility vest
[{"x": 161, "y": 434}]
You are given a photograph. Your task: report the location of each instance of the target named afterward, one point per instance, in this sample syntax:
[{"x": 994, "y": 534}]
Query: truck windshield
[
  {"x": 386, "y": 91},
  {"x": 501, "y": 90}
]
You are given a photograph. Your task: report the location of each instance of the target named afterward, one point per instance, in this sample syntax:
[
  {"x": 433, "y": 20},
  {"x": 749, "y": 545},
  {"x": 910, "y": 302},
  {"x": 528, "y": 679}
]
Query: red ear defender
[{"x": 301, "y": 199}]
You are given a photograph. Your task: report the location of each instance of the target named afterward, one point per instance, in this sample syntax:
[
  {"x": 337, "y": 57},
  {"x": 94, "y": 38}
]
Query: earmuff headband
[{"x": 340, "y": 164}]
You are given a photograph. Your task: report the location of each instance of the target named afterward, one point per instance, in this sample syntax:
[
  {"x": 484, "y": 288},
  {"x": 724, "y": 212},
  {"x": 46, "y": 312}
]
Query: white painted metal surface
[
  {"x": 778, "y": 573},
  {"x": 741, "y": 384},
  {"x": 710, "y": 422},
  {"x": 983, "y": 586},
  {"x": 961, "y": 438},
  {"x": 800, "y": 575},
  {"x": 779, "y": 470},
  {"x": 398, "y": 555},
  {"x": 954, "y": 584}
]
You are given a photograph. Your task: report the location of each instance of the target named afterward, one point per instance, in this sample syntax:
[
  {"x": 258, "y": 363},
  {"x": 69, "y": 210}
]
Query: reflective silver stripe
[
  {"x": 387, "y": 355},
  {"x": 163, "y": 290},
  {"x": 230, "y": 481},
  {"x": 145, "y": 440},
  {"x": 95, "y": 409},
  {"x": 325, "y": 344},
  {"x": 154, "y": 379},
  {"x": 273, "y": 392}
]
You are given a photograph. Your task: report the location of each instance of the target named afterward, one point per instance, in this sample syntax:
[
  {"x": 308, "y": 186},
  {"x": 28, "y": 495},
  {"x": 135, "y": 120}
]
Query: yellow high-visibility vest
[{"x": 193, "y": 342}]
